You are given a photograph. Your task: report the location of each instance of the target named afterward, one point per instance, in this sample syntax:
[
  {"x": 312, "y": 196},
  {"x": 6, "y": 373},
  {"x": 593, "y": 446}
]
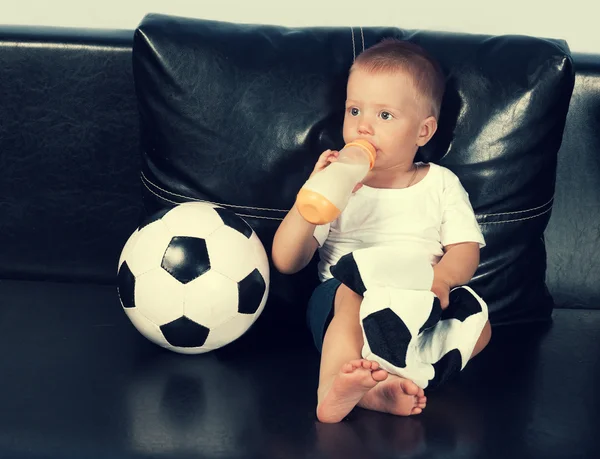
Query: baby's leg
[
  {"x": 344, "y": 377},
  {"x": 390, "y": 396},
  {"x": 462, "y": 332},
  {"x": 484, "y": 339}
]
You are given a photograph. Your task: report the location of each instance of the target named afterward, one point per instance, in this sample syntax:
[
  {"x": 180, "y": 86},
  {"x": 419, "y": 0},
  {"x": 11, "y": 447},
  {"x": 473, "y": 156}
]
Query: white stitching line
[
  {"x": 518, "y": 219},
  {"x": 518, "y": 211},
  {"x": 143, "y": 176},
  {"x": 362, "y": 37},
  {"x": 210, "y": 202},
  {"x": 353, "y": 45}
]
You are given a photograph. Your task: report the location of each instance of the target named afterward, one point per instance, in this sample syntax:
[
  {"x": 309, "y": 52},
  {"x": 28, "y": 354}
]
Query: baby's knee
[
  {"x": 484, "y": 339},
  {"x": 346, "y": 300},
  {"x": 486, "y": 334}
]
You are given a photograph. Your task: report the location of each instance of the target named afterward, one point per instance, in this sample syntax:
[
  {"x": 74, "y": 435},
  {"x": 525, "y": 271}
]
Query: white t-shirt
[{"x": 420, "y": 219}]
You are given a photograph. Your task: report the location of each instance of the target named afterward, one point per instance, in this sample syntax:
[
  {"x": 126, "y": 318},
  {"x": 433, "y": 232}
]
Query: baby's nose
[{"x": 365, "y": 128}]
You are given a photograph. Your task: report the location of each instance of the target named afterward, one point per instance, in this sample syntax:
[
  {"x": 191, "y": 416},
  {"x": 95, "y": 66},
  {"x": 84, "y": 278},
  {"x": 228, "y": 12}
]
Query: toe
[
  {"x": 410, "y": 387},
  {"x": 348, "y": 368},
  {"x": 356, "y": 363},
  {"x": 379, "y": 375},
  {"x": 416, "y": 410}
]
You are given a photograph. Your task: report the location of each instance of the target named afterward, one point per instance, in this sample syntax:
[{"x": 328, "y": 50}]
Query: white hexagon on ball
[
  {"x": 189, "y": 219},
  {"x": 262, "y": 261},
  {"x": 231, "y": 253},
  {"x": 211, "y": 299},
  {"x": 146, "y": 327},
  {"x": 128, "y": 247},
  {"x": 149, "y": 248},
  {"x": 159, "y": 296},
  {"x": 229, "y": 331}
]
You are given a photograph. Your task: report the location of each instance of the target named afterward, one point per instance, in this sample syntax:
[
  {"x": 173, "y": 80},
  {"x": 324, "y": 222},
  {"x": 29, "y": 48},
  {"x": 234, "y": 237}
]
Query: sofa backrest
[
  {"x": 69, "y": 155},
  {"x": 574, "y": 228},
  {"x": 238, "y": 114},
  {"x": 70, "y": 162}
]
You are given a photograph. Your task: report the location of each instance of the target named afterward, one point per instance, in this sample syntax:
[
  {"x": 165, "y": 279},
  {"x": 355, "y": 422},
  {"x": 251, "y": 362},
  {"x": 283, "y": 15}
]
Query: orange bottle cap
[{"x": 316, "y": 208}]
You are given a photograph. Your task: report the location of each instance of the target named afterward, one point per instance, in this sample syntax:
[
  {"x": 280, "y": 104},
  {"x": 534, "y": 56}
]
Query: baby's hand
[
  {"x": 441, "y": 289},
  {"x": 326, "y": 158}
]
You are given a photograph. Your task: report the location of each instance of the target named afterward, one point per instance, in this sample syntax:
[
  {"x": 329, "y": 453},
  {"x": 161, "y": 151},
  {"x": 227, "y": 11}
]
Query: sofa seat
[{"x": 80, "y": 381}]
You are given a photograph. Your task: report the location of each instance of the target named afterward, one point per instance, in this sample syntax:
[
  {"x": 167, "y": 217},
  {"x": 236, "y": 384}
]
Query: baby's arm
[
  {"x": 457, "y": 266},
  {"x": 294, "y": 244}
]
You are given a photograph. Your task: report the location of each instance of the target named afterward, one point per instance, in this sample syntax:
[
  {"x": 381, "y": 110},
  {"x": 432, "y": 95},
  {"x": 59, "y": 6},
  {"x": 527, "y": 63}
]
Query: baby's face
[{"x": 383, "y": 109}]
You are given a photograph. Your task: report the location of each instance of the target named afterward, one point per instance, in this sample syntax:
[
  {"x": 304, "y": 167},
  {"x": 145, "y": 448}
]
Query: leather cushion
[
  {"x": 238, "y": 114},
  {"x": 572, "y": 233},
  {"x": 69, "y": 162}
]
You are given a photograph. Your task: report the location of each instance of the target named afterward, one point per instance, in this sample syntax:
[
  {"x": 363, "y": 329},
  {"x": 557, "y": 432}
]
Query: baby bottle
[{"x": 325, "y": 195}]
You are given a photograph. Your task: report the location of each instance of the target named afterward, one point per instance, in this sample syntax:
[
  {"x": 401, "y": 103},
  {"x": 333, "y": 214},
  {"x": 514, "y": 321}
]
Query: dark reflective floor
[{"x": 79, "y": 381}]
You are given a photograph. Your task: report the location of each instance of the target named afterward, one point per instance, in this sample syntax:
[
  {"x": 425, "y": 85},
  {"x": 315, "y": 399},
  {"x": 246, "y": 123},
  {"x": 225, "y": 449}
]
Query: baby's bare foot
[
  {"x": 396, "y": 395},
  {"x": 349, "y": 386}
]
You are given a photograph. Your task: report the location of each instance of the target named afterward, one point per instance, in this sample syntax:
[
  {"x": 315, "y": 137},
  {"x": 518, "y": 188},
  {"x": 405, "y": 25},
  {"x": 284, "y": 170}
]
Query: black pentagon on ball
[
  {"x": 233, "y": 221},
  {"x": 186, "y": 258},
  {"x": 251, "y": 290},
  {"x": 184, "y": 332},
  {"x": 126, "y": 286},
  {"x": 388, "y": 336}
]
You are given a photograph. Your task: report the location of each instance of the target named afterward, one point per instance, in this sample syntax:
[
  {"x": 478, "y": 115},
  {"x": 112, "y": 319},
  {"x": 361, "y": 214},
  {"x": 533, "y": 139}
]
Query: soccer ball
[{"x": 193, "y": 278}]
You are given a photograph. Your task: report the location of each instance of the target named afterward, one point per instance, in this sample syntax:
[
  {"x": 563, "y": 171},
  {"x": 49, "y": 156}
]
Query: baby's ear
[{"x": 428, "y": 128}]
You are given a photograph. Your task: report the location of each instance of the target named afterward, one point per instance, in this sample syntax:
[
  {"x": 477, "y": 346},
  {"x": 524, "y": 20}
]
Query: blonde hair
[{"x": 393, "y": 55}]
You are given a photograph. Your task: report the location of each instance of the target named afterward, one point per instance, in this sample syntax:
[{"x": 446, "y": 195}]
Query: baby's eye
[
  {"x": 354, "y": 111},
  {"x": 386, "y": 116}
]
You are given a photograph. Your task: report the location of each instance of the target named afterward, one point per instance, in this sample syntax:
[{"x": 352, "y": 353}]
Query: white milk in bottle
[{"x": 325, "y": 195}]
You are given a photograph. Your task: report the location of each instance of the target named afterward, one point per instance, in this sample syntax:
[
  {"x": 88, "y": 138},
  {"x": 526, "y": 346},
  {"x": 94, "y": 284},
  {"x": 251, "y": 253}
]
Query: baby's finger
[
  {"x": 325, "y": 154},
  {"x": 324, "y": 157},
  {"x": 445, "y": 301}
]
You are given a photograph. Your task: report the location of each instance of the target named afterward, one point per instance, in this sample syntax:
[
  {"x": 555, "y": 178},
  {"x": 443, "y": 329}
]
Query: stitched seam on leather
[
  {"x": 518, "y": 219},
  {"x": 517, "y": 211},
  {"x": 209, "y": 202},
  {"x": 143, "y": 176},
  {"x": 362, "y": 36}
]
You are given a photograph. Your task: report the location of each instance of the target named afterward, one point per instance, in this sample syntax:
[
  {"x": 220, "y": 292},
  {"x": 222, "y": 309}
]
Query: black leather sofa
[{"x": 99, "y": 129}]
